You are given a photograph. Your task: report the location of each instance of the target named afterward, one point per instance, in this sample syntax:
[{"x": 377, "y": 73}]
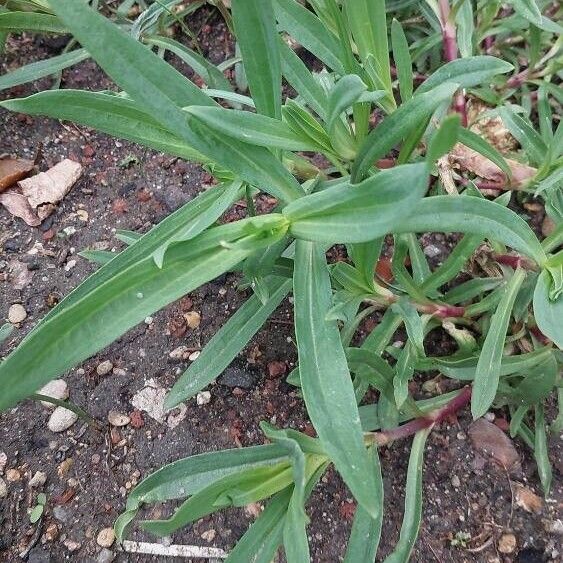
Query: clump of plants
[{"x": 384, "y": 184}]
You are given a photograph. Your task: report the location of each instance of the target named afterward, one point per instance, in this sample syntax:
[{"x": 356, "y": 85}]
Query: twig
[{"x": 188, "y": 551}]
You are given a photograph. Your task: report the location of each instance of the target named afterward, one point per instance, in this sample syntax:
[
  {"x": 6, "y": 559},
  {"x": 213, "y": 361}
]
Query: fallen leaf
[
  {"x": 46, "y": 189},
  {"x": 492, "y": 441},
  {"x": 12, "y": 170},
  {"x": 472, "y": 161},
  {"x": 528, "y": 500},
  {"x": 18, "y": 206}
]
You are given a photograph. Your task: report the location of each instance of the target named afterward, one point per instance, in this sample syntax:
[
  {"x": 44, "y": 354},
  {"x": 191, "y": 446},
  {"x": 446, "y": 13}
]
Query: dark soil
[{"x": 89, "y": 471}]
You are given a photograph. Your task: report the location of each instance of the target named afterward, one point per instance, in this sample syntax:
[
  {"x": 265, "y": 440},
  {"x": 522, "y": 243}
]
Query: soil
[{"x": 90, "y": 471}]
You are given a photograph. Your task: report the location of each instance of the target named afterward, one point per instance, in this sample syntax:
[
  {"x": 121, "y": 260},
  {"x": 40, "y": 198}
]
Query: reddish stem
[
  {"x": 515, "y": 261},
  {"x": 427, "y": 421}
]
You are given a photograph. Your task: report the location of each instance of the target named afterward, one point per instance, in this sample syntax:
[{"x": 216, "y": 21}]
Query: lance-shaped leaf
[
  {"x": 325, "y": 380},
  {"x": 31, "y": 21},
  {"x": 540, "y": 449},
  {"x": 489, "y": 366},
  {"x": 229, "y": 340},
  {"x": 34, "y": 71},
  {"x": 366, "y": 531},
  {"x": 109, "y": 113},
  {"x": 255, "y": 27},
  {"x": 189, "y": 475},
  {"x": 468, "y": 72},
  {"x": 77, "y": 329},
  {"x": 358, "y": 213},
  {"x": 403, "y": 61},
  {"x": 397, "y": 126},
  {"x": 413, "y": 502},
  {"x": 472, "y": 215}
]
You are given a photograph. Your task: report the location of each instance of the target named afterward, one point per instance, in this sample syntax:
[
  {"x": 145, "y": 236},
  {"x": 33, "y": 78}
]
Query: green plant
[
  {"x": 352, "y": 202},
  {"x": 37, "y": 511}
]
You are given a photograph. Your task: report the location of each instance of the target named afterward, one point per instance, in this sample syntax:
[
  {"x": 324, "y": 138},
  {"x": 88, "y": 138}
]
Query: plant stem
[
  {"x": 429, "y": 420},
  {"x": 450, "y": 52}
]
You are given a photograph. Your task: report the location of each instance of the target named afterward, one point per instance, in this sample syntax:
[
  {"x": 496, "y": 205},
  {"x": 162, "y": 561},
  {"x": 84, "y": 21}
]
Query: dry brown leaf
[
  {"x": 471, "y": 160},
  {"x": 528, "y": 500},
  {"x": 46, "y": 189},
  {"x": 492, "y": 441},
  {"x": 12, "y": 170},
  {"x": 18, "y": 206}
]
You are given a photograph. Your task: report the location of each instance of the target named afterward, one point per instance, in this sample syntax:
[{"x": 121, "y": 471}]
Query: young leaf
[
  {"x": 403, "y": 61},
  {"x": 34, "y": 71},
  {"x": 397, "y": 126},
  {"x": 229, "y": 340},
  {"x": 489, "y": 366},
  {"x": 528, "y": 9},
  {"x": 31, "y": 21},
  {"x": 255, "y": 28},
  {"x": 413, "y": 502},
  {"x": 325, "y": 379},
  {"x": 360, "y": 212}
]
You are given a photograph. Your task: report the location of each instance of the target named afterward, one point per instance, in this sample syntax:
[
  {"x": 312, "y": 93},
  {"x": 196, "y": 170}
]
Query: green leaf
[
  {"x": 366, "y": 531},
  {"x": 98, "y": 256},
  {"x": 34, "y": 71},
  {"x": 466, "y": 73},
  {"x": 358, "y": 213},
  {"x": 343, "y": 95},
  {"x": 444, "y": 139},
  {"x": 255, "y": 27},
  {"x": 310, "y": 32},
  {"x": 115, "y": 115},
  {"x": 131, "y": 237},
  {"x": 465, "y": 24},
  {"x": 325, "y": 379},
  {"x": 367, "y": 22},
  {"x": 540, "y": 450},
  {"x": 189, "y": 475},
  {"x": 526, "y": 135},
  {"x": 252, "y": 128},
  {"x": 403, "y": 61},
  {"x": 236, "y": 489},
  {"x": 5, "y": 331},
  {"x": 397, "y": 126},
  {"x": 227, "y": 342},
  {"x": 210, "y": 74},
  {"x": 489, "y": 366},
  {"x": 81, "y": 326},
  {"x": 548, "y": 313},
  {"x": 31, "y": 21},
  {"x": 36, "y": 513},
  {"x": 528, "y": 9},
  {"x": 413, "y": 502},
  {"x": 476, "y": 216},
  {"x": 470, "y": 289}
]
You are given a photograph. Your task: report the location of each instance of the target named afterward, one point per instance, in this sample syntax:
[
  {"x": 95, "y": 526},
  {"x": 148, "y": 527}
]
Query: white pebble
[
  {"x": 203, "y": 398},
  {"x": 17, "y": 314},
  {"x": 105, "y": 537},
  {"x": 38, "y": 479},
  {"x": 3, "y": 488},
  {"x": 104, "y": 368},
  {"x": 61, "y": 419},
  {"x": 117, "y": 419},
  {"x": 58, "y": 389}
]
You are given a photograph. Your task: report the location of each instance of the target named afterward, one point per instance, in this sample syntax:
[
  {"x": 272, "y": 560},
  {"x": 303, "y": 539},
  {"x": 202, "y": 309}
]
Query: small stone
[
  {"x": 61, "y": 514},
  {"x": 194, "y": 356},
  {"x": 203, "y": 398},
  {"x": 104, "y": 368},
  {"x": 118, "y": 419},
  {"x": 3, "y": 488},
  {"x": 507, "y": 543},
  {"x": 3, "y": 461},
  {"x": 16, "y": 314},
  {"x": 149, "y": 321},
  {"x": 193, "y": 319},
  {"x": 490, "y": 416},
  {"x": 105, "y": 537},
  {"x": 234, "y": 377},
  {"x": 58, "y": 389},
  {"x": 105, "y": 556},
  {"x": 137, "y": 419},
  {"x": 492, "y": 441},
  {"x": 72, "y": 545},
  {"x": 209, "y": 535},
  {"x": 276, "y": 369},
  {"x": 119, "y": 372},
  {"x": 13, "y": 475},
  {"x": 70, "y": 265},
  {"x": 82, "y": 214},
  {"x": 52, "y": 532},
  {"x": 61, "y": 419},
  {"x": 456, "y": 482},
  {"x": 179, "y": 353},
  {"x": 431, "y": 251},
  {"x": 38, "y": 479},
  {"x": 527, "y": 499},
  {"x": 556, "y": 527}
]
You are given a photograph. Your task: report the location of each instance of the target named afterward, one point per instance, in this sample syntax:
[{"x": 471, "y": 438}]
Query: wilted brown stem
[{"x": 427, "y": 421}]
